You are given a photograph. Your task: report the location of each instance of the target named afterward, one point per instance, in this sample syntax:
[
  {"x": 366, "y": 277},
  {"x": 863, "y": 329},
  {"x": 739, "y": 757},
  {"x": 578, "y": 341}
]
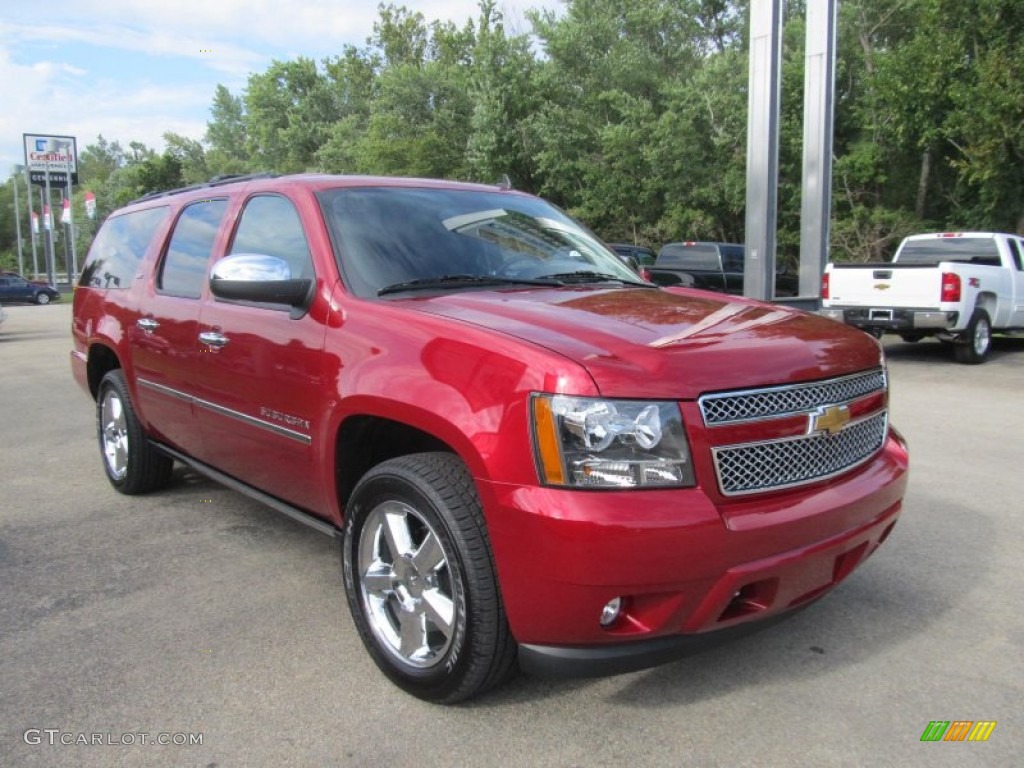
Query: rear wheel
[
  {"x": 132, "y": 465},
  {"x": 420, "y": 579},
  {"x": 976, "y": 342}
]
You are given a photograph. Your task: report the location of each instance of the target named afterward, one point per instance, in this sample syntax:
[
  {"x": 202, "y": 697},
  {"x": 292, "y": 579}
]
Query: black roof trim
[{"x": 216, "y": 181}]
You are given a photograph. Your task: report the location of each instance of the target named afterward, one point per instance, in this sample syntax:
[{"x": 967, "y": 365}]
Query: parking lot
[{"x": 196, "y": 611}]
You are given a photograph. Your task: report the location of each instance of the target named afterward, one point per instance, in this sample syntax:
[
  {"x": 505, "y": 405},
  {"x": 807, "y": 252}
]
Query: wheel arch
[
  {"x": 365, "y": 440},
  {"x": 101, "y": 361},
  {"x": 988, "y": 302}
]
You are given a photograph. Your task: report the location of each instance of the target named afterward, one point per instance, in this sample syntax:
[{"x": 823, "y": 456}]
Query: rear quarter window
[{"x": 119, "y": 248}]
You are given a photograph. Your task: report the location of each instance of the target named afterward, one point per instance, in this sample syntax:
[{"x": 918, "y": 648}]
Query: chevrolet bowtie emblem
[
  {"x": 881, "y": 286},
  {"x": 832, "y": 419}
]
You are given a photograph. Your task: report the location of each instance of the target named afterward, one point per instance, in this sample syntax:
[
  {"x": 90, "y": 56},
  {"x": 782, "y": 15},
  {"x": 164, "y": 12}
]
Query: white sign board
[{"x": 56, "y": 154}]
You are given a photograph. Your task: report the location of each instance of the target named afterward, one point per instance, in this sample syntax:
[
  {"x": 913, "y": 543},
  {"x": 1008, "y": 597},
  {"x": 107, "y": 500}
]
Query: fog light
[{"x": 611, "y": 611}]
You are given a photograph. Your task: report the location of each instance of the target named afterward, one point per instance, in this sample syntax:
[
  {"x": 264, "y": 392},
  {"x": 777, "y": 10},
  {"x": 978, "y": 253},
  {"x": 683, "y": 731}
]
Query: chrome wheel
[
  {"x": 975, "y": 343},
  {"x": 406, "y": 585},
  {"x": 114, "y": 434},
  {"x": 982, "y": 338},
  {"x": 42, "y": 298}
]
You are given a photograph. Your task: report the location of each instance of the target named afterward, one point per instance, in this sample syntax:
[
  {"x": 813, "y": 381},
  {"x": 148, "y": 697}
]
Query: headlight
[{"x": 594, "y": 443}]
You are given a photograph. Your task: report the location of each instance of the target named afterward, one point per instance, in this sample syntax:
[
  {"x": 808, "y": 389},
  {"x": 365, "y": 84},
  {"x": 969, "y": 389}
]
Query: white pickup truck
[{"x": 957, "y": 286}]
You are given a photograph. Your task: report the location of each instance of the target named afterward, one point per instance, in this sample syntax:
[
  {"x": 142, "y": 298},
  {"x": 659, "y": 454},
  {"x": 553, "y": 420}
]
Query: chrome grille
[
  {"x": 794, "y": 461},
  {"x": 770, "y": 402}
]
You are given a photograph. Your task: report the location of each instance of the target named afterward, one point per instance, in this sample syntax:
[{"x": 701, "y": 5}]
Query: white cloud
[{"x": 48, "y": 89}]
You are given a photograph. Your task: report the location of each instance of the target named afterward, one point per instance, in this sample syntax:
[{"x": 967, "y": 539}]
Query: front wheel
[
  {"x": 420, "y": 579},
  {"x": 132, "y": 465},
  {"x": 976, "y": 342},
  {"x": 42, "y": 297}
]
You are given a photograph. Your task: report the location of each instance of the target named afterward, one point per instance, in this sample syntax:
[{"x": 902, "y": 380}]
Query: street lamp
[{"x": 17, "y": 218}]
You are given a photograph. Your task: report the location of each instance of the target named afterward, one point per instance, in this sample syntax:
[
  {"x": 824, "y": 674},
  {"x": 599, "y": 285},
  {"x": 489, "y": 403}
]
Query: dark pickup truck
[{"x": 710, "y": 266}]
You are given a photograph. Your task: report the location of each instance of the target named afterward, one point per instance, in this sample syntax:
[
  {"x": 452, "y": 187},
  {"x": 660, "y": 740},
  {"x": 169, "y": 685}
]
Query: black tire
[
  {"x": 911, "y": 338},
  {"x": 975, "y": 343},
  {"x": 131, "y": 463},
  {"x": 42, "y": 297},
  {"x": 416, "y": 551}
]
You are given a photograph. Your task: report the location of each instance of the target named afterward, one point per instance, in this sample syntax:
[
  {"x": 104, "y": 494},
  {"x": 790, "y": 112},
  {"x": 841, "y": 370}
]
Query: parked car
[
  {"x": 529, "y": 455},
  {"x": 15, "y": 288},
  {"x": 959, "y": 287},
  {"x": 711, "y": 267},
  {"x": 636, "y": 256}
]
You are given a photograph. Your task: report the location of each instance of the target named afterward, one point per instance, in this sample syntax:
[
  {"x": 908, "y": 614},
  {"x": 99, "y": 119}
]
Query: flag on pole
[
  {"x": 65, "y": 217},
  {"x": 47, "y": 218},
  {"x": 35, "y": 223},
  {"x": 90, "y": 205}
]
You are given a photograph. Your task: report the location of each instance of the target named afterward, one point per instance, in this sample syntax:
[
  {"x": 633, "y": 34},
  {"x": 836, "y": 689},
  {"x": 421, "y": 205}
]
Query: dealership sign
[{"x": 53, "y": 156}]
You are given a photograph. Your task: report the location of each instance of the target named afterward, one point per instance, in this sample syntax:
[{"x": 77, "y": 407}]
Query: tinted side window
[
  {"x": 732, "y": 259},
  {"x": 119, "y": 247},
  {"x": 270, "y": 225},
  {"x": 184, "y": 269}
]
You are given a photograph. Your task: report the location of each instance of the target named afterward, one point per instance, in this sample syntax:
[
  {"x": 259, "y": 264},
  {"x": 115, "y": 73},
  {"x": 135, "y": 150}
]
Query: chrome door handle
[
  {"x": 213, "y": 339},
  {"x": 147, "y": 324}
]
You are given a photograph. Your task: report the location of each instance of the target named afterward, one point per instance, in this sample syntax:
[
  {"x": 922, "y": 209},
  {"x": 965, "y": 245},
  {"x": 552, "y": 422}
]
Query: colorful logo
[{"x": 958, "y": 730}]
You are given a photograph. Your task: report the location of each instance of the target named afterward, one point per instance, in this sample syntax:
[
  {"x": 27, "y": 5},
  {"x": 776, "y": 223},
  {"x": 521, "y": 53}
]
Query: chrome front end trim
[
  {"x": 722, "y": 408},
  {"x": 790, "y": 462}
]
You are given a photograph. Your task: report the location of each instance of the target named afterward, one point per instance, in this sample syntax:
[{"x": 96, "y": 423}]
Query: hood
[{"x": 671, "y": 343}]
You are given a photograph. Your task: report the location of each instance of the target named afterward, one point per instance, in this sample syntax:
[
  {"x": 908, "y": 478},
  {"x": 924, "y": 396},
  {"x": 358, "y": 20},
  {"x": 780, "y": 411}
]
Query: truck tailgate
[{"x": 885, "y": 285}]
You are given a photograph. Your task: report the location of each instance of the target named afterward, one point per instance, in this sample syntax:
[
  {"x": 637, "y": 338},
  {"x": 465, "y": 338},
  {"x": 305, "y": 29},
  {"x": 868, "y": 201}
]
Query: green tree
[{"x": 226, "y": 135}]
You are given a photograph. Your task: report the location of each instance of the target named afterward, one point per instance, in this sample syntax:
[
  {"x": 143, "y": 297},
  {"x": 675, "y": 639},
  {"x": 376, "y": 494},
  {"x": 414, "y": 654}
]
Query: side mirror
[{"x": 259, "y": 278}]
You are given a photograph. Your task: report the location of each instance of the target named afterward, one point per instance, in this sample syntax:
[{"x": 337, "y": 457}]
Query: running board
[{"x": 237, "y": 485}]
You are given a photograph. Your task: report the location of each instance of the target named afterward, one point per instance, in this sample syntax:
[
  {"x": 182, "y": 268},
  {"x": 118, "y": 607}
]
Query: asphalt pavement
[{"x": 195, "y": 614}]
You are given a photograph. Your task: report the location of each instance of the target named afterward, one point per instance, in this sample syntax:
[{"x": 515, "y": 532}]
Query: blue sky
[{"x": 133, "y": 69}]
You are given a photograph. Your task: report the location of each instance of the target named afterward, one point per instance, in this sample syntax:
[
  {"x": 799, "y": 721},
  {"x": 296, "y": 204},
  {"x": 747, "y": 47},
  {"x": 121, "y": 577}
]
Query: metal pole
[
  {"x": 17, "y": 221},
  {"x": 73, "y": 268},
  {"x": 763, "y": 147},
  {"x": 31, "y": 231},
  {"x": 819, "y": 110},
  {"x": 50, "y": 258}
]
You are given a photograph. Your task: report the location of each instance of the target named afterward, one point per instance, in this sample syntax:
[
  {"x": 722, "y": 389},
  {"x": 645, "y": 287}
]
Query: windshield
[
  {"x": 391, "y": 236},
  {"x": 979, "y": 250}
]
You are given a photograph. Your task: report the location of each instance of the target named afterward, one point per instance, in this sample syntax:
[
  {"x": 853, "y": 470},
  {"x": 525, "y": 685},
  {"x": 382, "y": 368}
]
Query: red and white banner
[
  {"x": 65, "y": 217},
  {"x": 47, "y": 218},
  {"x": 90, "y": 205},
  {"x": 35, "y": 223}
]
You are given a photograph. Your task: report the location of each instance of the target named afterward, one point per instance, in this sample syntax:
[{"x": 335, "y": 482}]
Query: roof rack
[{"x": 215, "y": 181}]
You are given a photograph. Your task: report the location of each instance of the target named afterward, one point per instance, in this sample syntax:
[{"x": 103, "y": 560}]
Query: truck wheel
[
  {"x": 131, "y": 463},
  {"x": 976, "y": 342},
  {"x": 911, "y": 338},
  {"x": 420, "y": 579}
]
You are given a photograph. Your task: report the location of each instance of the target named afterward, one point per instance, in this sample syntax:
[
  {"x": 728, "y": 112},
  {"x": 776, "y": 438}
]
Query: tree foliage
[{"x": 632, "y": 114}]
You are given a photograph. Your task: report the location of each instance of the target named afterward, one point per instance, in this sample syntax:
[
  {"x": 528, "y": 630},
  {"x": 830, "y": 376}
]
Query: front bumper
[
  {"x": 895, "y": 320},
  {"x": 685, "y": 569}
]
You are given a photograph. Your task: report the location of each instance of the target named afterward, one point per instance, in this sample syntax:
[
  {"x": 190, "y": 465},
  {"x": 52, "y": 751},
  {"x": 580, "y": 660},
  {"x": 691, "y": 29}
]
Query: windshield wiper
[
  {"x": 586, "y": 276},
  {"x": 452, "y": 281}
]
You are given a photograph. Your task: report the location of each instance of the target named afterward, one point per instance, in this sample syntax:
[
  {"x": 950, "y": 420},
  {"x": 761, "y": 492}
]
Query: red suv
[{"x": 530, "y": 455}]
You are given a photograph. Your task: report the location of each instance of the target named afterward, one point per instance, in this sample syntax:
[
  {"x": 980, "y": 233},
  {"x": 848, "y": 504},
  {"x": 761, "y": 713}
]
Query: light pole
[
  {"x": 17, "y": 218},
  {"x": 31, "y": 229}
]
